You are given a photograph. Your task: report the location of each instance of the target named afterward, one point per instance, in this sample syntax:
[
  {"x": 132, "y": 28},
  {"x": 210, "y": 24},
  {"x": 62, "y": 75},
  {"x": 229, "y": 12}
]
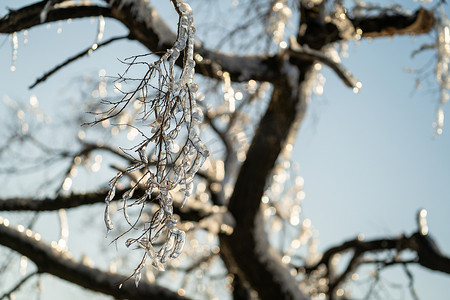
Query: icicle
[
  {"x": 179, "y": 244},
  {"x": 422, "y": 221},
  {"x": 137, "y": 278},
  {"x": 45, "y": 10},
  {"x": 100, "y": 31},
  {"x": 111, "y": 194},
  {"x": 64, "y": 234},
  {"x": 170, "y": 167},
  {"x": 442, "y": 70},
  {"x": 15, "y": 46},
  {"x": 108, "y": 222}
]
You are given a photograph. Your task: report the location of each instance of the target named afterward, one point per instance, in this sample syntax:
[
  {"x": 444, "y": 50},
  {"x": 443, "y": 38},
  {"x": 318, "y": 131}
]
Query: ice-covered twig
[{"x": 177, "y": 152}]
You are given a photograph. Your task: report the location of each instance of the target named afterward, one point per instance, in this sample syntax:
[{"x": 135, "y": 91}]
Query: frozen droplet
[
  {"x": 179, "y": 244},
  {"x": 137, "y": 278},
  {"x": 15, "y": 46},
  {"x": 197, "y": 115},
  {"x": 143, "y": 154},
  {"x": 111, "y": 194},
  {"x": 193, "y": 87},
  {"x": 108, "y": 222}
]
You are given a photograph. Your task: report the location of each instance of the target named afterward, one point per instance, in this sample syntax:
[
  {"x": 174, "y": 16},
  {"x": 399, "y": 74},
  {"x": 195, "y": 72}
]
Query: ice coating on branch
[{"x": 171, "y": 152}]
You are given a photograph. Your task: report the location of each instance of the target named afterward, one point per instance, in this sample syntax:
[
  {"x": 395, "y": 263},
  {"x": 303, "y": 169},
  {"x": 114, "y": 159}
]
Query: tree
[{"x": 251, "y": 102}]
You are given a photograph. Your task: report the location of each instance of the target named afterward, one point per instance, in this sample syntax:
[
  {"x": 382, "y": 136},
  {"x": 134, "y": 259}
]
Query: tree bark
[{"x": 247, "y": 251}]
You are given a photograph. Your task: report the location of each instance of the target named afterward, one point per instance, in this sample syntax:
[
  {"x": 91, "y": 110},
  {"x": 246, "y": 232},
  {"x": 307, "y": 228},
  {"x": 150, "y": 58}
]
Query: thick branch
[
  {"x": 420, "y": 22},
  {"x": 29, "y": 16},
  {"x": 51, "y": 204},
  {"x": 56, "y": 263},
  {"x": 149, "y": 29},
  {"x": 189, "y": 212},
  {"x": 320, "y": 32}
]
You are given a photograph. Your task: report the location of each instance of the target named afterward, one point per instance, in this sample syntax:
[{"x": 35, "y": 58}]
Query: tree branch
[
  {"x": 59, "y": 264},
  {"x": 420, "y": 22},
  {"x": 29, "y": 16},
  {"x": 305, "y": 53},
  {"x": 56, "y": 203},
  {"x": 190, "y": 211},
  {"x": 428, "y": 253},
  {"x": 146, "y": 26},
  {"x": 149, "y": 29}
]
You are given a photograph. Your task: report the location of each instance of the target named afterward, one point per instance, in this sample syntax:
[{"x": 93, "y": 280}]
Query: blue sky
[{"x": 369, "y": 160}]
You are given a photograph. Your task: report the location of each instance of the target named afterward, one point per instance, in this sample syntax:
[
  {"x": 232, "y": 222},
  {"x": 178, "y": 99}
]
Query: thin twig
[
  {"x": 74, "y": 58},
  {"x": 307, "y": 53},
  {"x": 18, "y": 285}
]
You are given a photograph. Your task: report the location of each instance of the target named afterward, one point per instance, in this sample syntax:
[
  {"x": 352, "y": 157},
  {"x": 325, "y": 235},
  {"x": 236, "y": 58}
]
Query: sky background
[{"x": 369, "y": 160}]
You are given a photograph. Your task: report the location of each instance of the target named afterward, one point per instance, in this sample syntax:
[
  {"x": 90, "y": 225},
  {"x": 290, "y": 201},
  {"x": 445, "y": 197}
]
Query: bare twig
[
  {"x": 306, "y": 53},
  {"x": 18, "y": 285},
  {"x": 74, "y": 58}
]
